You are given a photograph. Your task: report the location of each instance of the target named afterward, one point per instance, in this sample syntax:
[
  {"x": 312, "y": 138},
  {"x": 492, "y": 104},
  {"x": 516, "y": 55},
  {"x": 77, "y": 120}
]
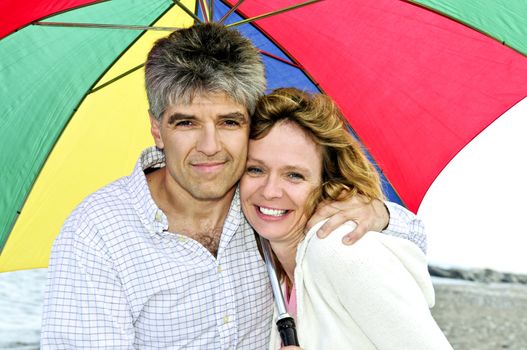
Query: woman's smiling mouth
[{"x": 271, "y": 211}]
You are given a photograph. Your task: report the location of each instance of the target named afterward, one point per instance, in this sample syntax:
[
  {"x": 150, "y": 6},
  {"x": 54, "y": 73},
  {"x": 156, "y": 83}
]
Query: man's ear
[{"x": 155, "y": 130}]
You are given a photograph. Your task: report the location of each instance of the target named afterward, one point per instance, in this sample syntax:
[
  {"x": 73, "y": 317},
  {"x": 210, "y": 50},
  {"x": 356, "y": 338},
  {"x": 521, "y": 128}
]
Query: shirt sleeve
[
  {"x": 85, "y": 306},
  {"x": 405, "y": 224}
]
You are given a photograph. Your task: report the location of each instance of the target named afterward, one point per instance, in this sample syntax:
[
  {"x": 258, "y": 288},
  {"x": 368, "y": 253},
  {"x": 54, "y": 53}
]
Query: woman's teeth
[{"x": 272, "y": 212}]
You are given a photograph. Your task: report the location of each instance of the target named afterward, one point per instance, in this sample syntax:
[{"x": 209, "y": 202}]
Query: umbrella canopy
[{"x": 414, "y": 78}]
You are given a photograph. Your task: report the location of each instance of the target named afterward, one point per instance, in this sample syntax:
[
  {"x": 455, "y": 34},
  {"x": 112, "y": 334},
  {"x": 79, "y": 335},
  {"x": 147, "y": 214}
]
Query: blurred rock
[{"x": 477, "y": 275}]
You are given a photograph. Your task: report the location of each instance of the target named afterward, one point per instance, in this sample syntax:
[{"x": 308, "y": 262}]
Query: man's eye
[
  {"x": 231, "y": 122},
  {"x": 295, "y": 176},
  {"x": 183, "y": 123}
]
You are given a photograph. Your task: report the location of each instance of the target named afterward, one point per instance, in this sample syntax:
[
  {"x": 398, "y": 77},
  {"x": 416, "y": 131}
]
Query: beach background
[
  {"x": 21, "y": 296},
  {"x": 477, "y": 309},
  {"x": 482, "y": 309}
]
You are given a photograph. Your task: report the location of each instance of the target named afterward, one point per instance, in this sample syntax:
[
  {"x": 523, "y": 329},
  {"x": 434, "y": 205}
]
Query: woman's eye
[
  {"x": 254, "y": 170},
  {"x": 295, "y": 176}
]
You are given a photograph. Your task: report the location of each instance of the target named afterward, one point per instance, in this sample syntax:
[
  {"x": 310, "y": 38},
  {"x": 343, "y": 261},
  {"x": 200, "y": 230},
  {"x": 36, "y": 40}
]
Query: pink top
[{"x": 290, "y": 301}]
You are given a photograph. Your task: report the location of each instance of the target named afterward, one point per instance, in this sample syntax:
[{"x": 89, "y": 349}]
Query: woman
[{"x": 374, "y": 294}]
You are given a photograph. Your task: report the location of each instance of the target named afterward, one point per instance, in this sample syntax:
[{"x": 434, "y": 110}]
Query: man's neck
[{"x": 201, "y": 220}]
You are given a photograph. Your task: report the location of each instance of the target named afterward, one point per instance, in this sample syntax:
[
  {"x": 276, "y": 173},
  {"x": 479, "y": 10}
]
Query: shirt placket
[{"x": 226, "y": 307}]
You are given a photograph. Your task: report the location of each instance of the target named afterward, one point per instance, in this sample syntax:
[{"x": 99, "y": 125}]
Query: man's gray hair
[{"x": 205, "y": 58}]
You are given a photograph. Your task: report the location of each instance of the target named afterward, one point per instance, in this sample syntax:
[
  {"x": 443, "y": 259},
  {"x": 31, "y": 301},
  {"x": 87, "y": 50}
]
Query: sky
[{"x": 475, "y": 212}]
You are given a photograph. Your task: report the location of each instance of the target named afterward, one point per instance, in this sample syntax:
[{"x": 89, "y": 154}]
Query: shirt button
[
  {"x": 225, "y": 319},
  {"x": 219, "y": 268},
  {"x": 158, "y": 216},
  {"x": 182, "y": 238}
]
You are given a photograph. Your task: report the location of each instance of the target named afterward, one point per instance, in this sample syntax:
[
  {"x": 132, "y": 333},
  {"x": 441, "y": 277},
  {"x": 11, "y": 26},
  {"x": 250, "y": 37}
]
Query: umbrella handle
[
  {"x": 286, "y": 328},
  {"x": 285, "y": 323}
]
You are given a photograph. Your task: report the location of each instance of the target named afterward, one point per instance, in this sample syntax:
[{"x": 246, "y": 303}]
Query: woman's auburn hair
[{"x": 346, "y": 171}]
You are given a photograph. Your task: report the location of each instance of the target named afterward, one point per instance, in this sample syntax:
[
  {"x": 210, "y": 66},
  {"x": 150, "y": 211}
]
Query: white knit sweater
[{"x": 374, "y": 294}]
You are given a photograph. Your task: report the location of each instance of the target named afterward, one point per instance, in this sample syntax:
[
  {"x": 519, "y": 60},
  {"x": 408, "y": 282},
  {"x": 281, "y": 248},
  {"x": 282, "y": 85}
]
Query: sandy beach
[{"x": 482, "y": 316}]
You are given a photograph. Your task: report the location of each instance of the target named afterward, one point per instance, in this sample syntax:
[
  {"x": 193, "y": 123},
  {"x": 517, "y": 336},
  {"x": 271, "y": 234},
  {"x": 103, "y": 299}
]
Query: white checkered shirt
[
  {"x": 118, "y": 280},
  {"x": 404, "y": 224}
]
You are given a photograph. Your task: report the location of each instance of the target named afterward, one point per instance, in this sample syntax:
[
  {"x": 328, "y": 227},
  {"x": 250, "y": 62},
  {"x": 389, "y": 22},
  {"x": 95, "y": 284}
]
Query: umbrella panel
[
  {"x": 100, "y": 143},
  {"x": 507, "y": 24},
  {"x": 385, "y": 96},
  {"x": 416, "y": 86}
]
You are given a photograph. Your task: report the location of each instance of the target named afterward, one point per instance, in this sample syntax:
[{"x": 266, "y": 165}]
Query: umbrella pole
[{"x": 285, "y": 323}]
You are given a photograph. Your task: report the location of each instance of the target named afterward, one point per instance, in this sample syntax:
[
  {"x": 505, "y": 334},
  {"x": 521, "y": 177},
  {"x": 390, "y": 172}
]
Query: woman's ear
[{"x": 155, "y": 130}]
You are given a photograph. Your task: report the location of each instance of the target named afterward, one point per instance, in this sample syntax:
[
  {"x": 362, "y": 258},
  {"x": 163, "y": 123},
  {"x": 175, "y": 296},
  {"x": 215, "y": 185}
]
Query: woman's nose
[{"x": 272, "y": 188}]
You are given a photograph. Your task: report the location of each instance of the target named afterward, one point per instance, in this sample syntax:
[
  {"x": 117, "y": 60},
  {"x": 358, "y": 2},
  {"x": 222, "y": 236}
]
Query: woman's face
[{"x": 283, "y": 168}]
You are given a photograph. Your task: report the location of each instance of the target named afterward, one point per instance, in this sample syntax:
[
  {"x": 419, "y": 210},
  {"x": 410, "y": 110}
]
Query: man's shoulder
[
  {"x": 102, "y": 215},
  {"x": 104, "y": 198},
  {"x": 103, "y": 202},
  {"x": 121, "y": 192}
]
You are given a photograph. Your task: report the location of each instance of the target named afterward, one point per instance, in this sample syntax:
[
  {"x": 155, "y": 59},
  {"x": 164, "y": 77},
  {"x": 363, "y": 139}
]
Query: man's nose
[{"x": 209, "y": 142}]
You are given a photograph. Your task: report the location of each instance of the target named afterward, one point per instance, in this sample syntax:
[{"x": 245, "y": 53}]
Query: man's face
[{"x": 205, "y": 144}]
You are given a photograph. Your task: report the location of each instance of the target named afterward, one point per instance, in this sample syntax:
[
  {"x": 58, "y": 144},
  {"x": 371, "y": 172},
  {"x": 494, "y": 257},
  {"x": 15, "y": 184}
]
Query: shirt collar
[
  {"x": 232, "y": 221},
  {"x": 153, "y": 217}
]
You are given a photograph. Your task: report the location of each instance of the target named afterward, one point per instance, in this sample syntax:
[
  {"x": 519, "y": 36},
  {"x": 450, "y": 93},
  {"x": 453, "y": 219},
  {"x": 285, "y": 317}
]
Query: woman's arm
[{"x": 382, "y": 284}]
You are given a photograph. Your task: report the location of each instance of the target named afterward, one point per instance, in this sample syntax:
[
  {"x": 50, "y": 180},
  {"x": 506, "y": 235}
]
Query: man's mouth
[{"x": 208, "y": 167}]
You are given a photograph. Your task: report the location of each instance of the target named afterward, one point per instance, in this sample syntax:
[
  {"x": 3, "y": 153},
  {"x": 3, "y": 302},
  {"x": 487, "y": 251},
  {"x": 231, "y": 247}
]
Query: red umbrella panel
[{"x": 416, "y": 86}]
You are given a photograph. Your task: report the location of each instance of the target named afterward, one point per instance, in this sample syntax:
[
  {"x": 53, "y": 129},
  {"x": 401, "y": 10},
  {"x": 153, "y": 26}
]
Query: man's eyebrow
[
  {"x": 234, "y": 115},
  {"x": 179, "y": 116}
]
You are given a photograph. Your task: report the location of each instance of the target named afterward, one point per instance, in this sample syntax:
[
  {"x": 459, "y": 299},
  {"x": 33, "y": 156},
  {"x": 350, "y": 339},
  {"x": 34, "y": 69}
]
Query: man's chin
[{"x": 213, "y": 193}]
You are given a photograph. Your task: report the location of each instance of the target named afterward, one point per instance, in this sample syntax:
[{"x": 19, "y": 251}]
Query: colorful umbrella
[{"x": 414, "y": 78}]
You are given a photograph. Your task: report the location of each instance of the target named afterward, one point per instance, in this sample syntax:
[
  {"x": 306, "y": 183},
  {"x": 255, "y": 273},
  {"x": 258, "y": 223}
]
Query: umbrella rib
[
  {"x": 94, "y": 87},
  {"x": 269, "y": 14},
  {"x": 187, "y": 11},
  {"x": 104, "y": 26},
  {"x": 230, "y": 11},
  {"x": 116, "y": 78},
  {"x": 278, "y": 58},
  {"x": 211, "y": 10},
  {"x": 204, "y": 10}
]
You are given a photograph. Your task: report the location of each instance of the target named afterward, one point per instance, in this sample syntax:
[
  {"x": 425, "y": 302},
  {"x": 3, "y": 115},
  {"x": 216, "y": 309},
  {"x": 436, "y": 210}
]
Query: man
[{"x": 164, "y": 258}]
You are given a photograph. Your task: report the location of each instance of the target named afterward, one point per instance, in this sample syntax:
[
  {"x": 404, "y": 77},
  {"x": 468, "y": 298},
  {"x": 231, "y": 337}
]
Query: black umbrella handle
[{"x": 286, "y": 328}]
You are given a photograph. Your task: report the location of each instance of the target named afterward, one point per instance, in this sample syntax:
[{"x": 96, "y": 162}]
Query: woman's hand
[{"x": 369, "y": 216}]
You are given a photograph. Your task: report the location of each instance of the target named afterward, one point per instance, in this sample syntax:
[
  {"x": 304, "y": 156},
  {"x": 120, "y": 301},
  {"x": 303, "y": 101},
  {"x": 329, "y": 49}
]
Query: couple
[{"x": 164, "y": 258}]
